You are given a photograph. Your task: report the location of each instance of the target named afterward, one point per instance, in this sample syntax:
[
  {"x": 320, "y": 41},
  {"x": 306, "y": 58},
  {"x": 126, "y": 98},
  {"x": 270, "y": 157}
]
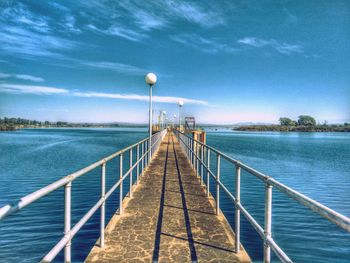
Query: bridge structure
[{"x": 171, "y": 213}]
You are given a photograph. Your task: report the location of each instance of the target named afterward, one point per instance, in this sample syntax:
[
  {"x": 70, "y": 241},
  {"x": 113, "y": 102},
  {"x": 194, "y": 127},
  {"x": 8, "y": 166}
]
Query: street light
[
  {"x": 181, "y": 103},
  {"x": 150, "y": 79}
]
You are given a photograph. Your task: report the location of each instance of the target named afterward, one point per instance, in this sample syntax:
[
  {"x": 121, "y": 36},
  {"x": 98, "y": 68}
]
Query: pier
[
  {"x": 169, "y": 218},
  {"x": 171, "y": 212}
]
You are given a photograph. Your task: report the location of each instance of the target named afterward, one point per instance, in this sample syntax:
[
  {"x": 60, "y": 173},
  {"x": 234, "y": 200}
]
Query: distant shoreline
[
  {"x": 20, "y": 127},
  {"x": 280, "y": 128}
]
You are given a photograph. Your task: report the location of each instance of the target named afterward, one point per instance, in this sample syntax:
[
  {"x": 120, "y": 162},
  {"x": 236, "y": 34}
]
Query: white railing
[
  {"x": 199, "y": 154},
  {"x": 143, "y": 155}
]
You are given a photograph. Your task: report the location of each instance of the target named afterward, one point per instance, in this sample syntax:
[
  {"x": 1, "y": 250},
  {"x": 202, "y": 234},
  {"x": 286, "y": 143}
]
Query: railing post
[
  {"x": 208, "y": 173},
  {"x": 121, "y": 184},
  {"x": 194, "y": 154},
  {"x": 191, "y": 153},
  {"x": 237, "y": 212},
  {"x": 217, "y": 184},
  {"x": 150, "y": 149},
  {"x": 202, "y": 160},
  {"x": 130, "y": 175},
  {"x": 143, "y": 157},
  {"x": 268, "y": 216},
  {"x": 188, "y": 147},
  {"x": 103, "y": 206},
  {"x": 138, "y": 163},
  {"x": 67, "y": 220},
  {"x": 147, "y": 155},
  {"x": 197, "y": 159}
]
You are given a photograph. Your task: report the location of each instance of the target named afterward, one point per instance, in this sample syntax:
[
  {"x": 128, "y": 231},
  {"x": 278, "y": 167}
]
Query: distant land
[
  {"x": 301, "y": 128},
  {"x": 12, "y": 124},
  {"x": 304, "y": 124}
]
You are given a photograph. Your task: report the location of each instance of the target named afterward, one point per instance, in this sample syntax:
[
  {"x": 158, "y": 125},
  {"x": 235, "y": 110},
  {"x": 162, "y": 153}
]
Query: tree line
[{"x": 305, "y": 123}]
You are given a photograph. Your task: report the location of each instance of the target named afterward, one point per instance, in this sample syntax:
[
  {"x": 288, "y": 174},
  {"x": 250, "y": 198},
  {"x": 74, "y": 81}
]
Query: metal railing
[
  {"x": 195, "y": 151},
  {"x": 143, "y": 158}
]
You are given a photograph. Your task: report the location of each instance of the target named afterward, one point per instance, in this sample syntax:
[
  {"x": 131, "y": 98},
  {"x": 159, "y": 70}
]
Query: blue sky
[{"x": 230, "y": 61}]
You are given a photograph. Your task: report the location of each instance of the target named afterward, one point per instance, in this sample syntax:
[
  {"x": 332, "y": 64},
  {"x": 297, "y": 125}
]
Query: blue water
[{"x": 316, "y": 164}]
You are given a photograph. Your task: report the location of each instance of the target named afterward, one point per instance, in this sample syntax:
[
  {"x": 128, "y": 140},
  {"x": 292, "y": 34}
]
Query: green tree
[
  {"x": 306, "y": 120},
  {"x": 286, "y": 121}
]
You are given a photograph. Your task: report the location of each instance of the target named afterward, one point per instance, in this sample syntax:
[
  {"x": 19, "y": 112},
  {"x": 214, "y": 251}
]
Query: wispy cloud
[
  {"x": 114, "y": 66},
  {"x": 19, "y": 14},
  {"x": 203, "y": 44},
  {"x": 138, "y": 18},
  {"x": 22, "y": 41},
  {"x": 120, "y": 31},
  {"x": 24, "y": 32},
  {"x": 281, "y": 47},
  {"x": 193, "y": 13},
  {"x": 70, "y": 24},
  {"x": 43, "y": 90},
  {"x": 147, "y": 21},
  {"x": 29, "y": 89},
  {"x": 21, "y": 76},
  {"x": 163, "y": 99}
]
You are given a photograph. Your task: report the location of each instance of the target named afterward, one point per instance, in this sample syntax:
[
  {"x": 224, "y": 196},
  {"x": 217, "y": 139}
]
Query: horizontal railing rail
[
  {"x": 145, "y": 150},
  {"x": 198, "y": 155}
]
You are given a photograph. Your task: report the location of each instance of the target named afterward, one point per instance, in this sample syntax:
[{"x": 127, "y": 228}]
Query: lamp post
[
  {"x": 174, "y": 123},
  {"x": 181, "y": 103},
  {"x": 150, "y": 79}
]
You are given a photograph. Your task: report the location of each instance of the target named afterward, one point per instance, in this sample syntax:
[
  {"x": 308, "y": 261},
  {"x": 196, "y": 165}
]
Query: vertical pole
[
  {"x": 217, "y": 184},
  {"x": 197, "y": 158},
  {"x": 67, "y": 219},
  {"x": 121, "y": 184},
  {"x": 130, "y": 175},
  {"x": 150, "y": 123},
  {"x": 143, "y": 158},
  {"x": 191, "y": 152},
  {"x": 103, "y": 206},
  {"x": 202, "y": 160},
  {"x": 208, "y": 174},
  {"x": 147, "y": 155},
  {"x": 138, "y": 163},
  {"x": 188, "y": 147},
  {"x": 237, "y": 212},
  {"x": 268, "y": 215},
  {"x": 192, "y": 146}
]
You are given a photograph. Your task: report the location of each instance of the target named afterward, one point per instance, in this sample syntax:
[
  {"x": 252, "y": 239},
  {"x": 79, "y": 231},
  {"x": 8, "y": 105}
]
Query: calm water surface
[{"x": 316, "y": 164}]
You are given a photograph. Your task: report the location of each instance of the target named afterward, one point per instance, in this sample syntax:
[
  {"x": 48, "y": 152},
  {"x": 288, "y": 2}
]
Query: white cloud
[
  {"x": 163, "y": 99},
  {"x": 22, "y": 41},
  {"x": 21, "y": 76},
  {"x": 27, "y": 33},
  {"x": 114, "y": 66},
  {"x": 193, "y": 13},
  {"x": 281, "y": 47},
  {"x": 29, "y": 77},
  {"x": 69, "y": 24},
  {"x": 43, "y": 90},
  {"x": 127, "y": 33},
  {"x": 146, "y": 21},
  {"x": 203, "y": 44},
  {"x": 120, "y": 31},
  {"x": 19, "y": 14},
  {"x": 29, "y": 89}
]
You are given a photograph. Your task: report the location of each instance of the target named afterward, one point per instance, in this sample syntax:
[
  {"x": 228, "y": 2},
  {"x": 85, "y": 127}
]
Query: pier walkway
[{"x": 169, "y": 218}]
